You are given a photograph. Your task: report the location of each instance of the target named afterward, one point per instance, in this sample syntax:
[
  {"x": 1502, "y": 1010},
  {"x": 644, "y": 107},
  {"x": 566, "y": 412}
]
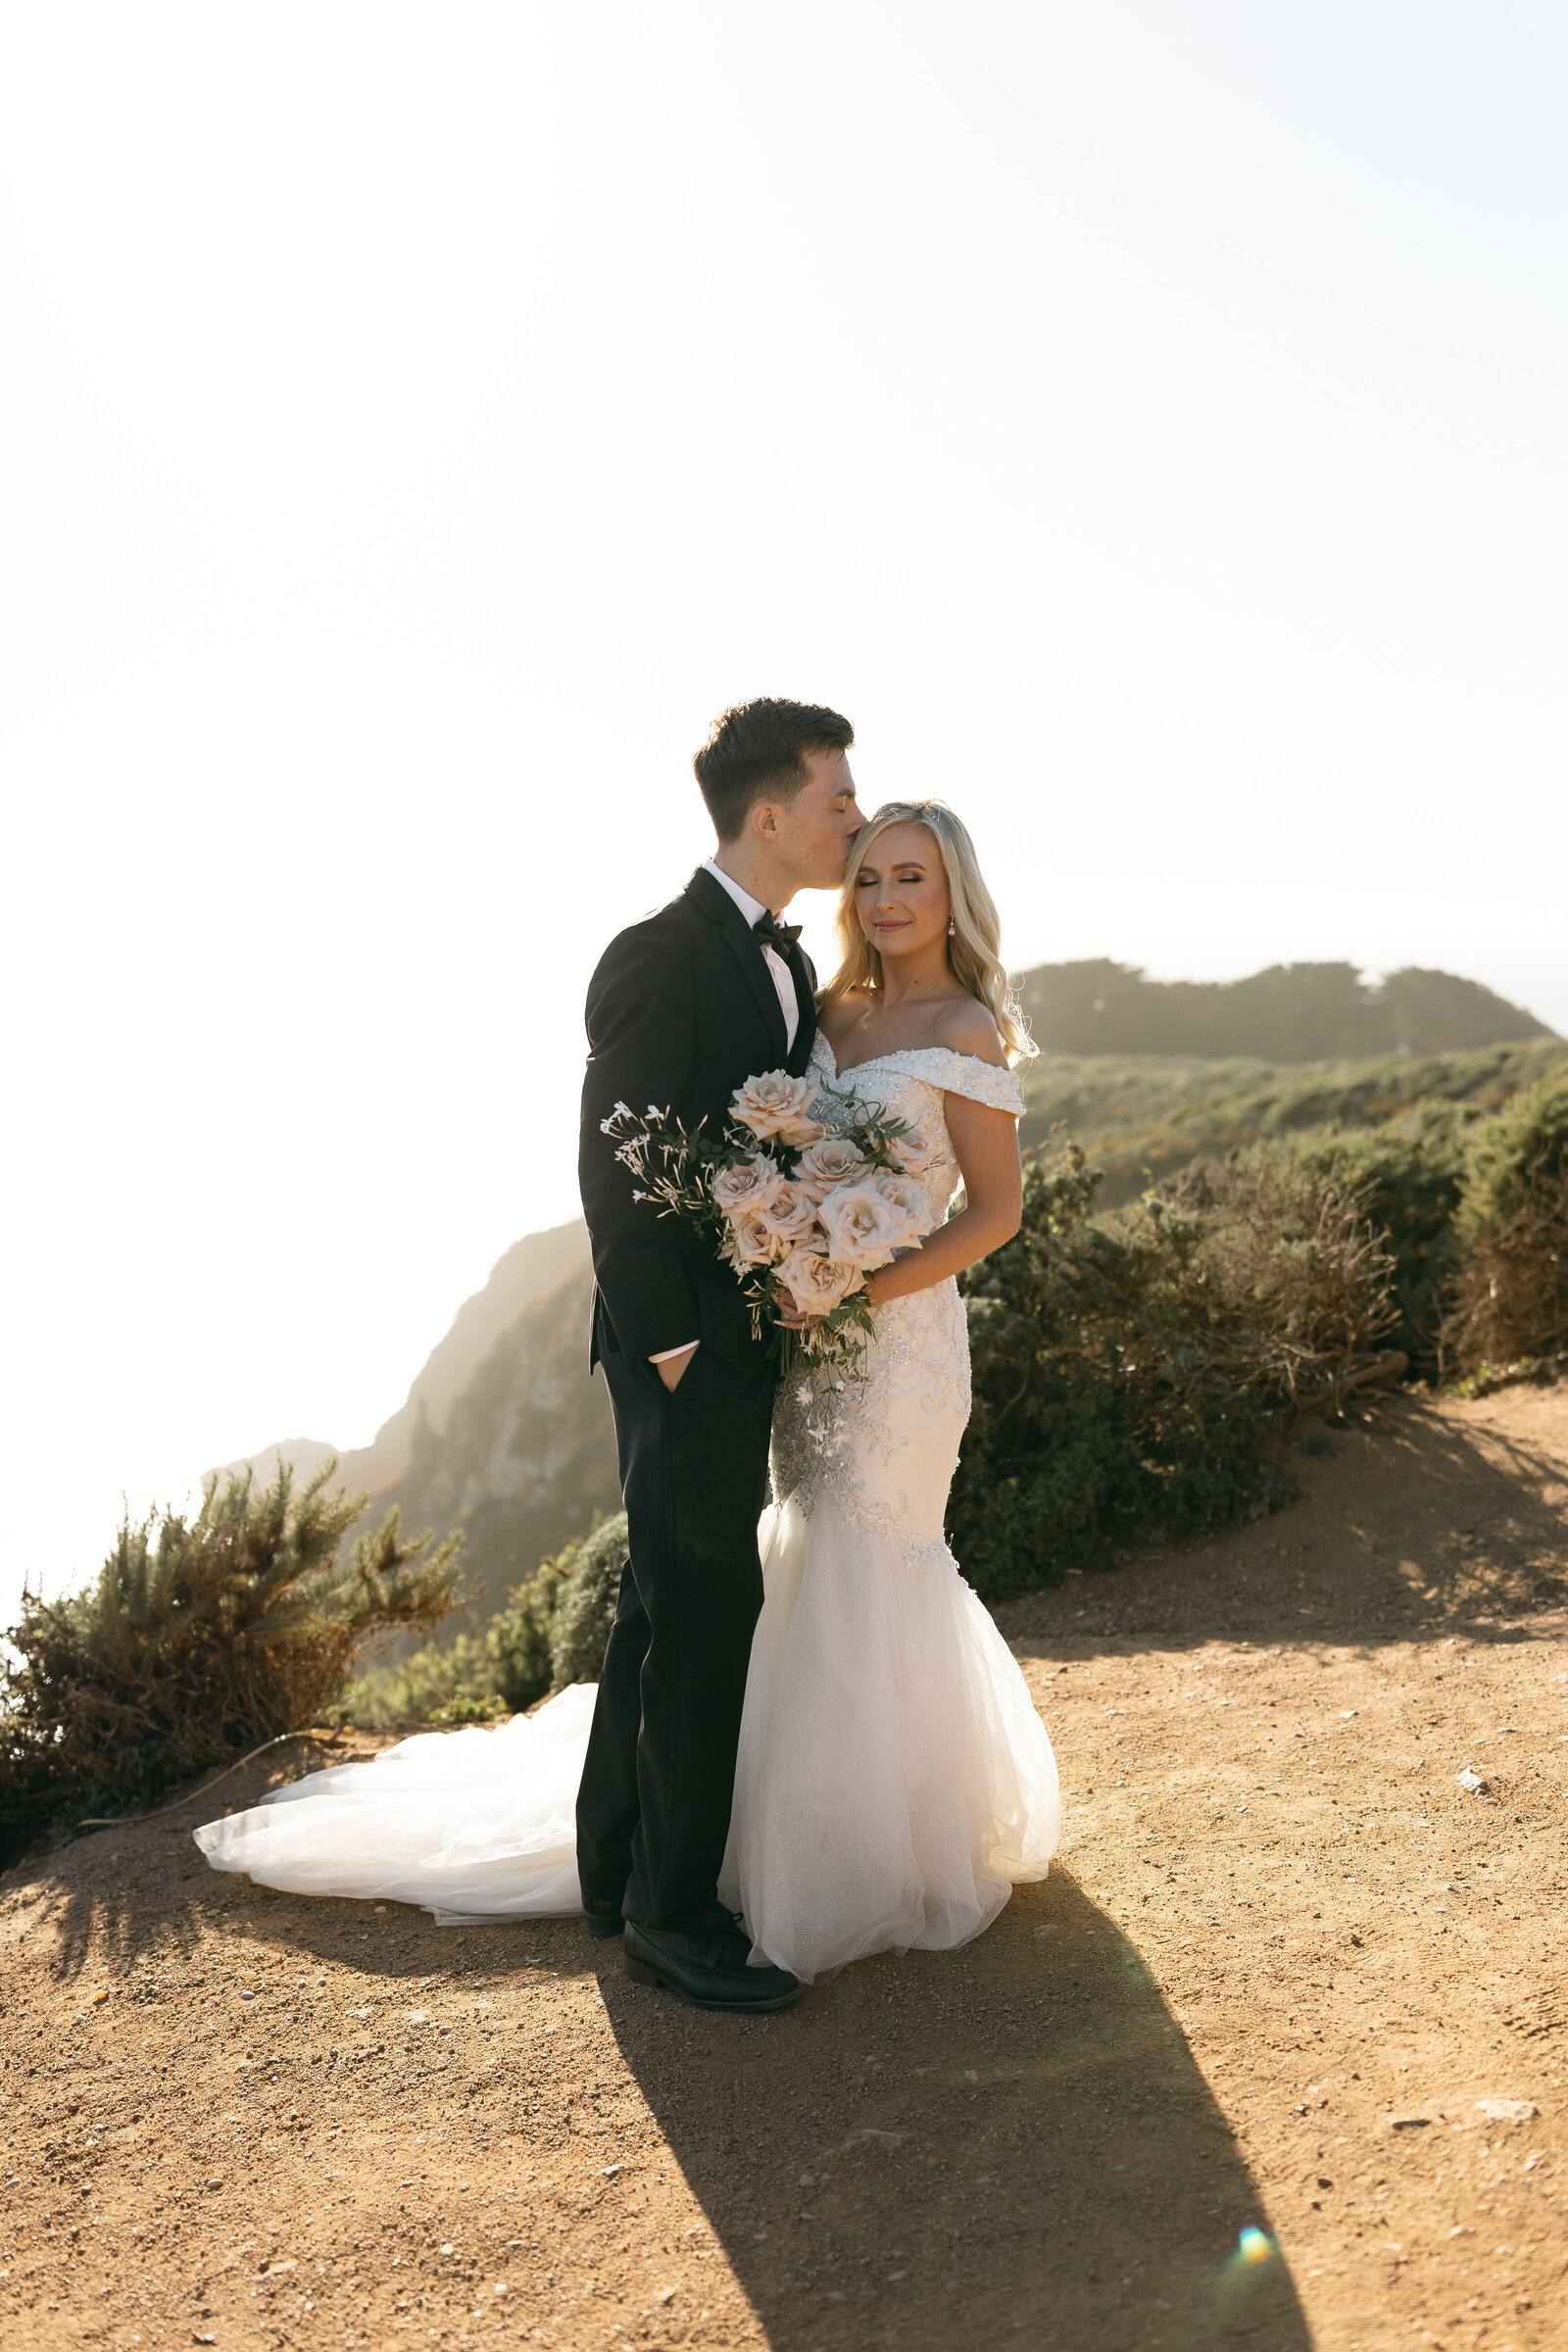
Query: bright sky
[{"x": 1146, "y": 422}]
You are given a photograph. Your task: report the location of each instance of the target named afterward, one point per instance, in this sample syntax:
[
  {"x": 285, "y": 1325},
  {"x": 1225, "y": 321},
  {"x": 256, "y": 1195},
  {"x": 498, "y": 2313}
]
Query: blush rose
[{"x": 777, "y": 1107}]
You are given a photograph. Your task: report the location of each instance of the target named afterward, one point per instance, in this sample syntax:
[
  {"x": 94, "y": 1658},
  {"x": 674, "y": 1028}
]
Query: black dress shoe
[
  {"x": 603, "y": 1923},
  {"x": 708, "y": 1969}
]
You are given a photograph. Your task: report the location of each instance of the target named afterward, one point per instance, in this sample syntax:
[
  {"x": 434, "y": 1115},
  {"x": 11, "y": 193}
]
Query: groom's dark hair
[{"x": 757, "y": 752}]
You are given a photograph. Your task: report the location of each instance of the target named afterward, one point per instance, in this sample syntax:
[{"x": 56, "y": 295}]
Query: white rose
[
  {"x": 752, "y": 1240},
  {"x": 790, "y": 1213},
  {"x": 815, "y": 1283},
  {"x": 750, "y": 1184},
  {"x": 908, "y": 1196},
  {"x": 823, "y": 1165},
  {"x": 863, "y": 1226},
  {"x": 777, "y": 1107},
  {"x": 908, "y": 1153}
]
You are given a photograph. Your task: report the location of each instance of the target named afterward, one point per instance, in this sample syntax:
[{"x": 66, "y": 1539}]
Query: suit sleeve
[{"x": 641, "y": 1023}]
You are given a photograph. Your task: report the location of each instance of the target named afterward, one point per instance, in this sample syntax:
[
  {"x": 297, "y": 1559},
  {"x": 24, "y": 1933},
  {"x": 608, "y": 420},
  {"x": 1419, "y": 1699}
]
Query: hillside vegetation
[
  {"x": 1291, "y": 1012},
  {"x": 202, "y": 1638},
  {"x": 1145, "y": 1116}
]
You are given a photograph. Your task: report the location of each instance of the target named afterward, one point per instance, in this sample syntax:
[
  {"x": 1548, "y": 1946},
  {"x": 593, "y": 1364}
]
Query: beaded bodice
[{"x": 883, "y": 1446}]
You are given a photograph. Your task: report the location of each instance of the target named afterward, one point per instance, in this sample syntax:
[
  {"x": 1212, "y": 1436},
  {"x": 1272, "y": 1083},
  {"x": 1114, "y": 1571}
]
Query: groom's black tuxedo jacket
[{"x": 681, "y": 1011}]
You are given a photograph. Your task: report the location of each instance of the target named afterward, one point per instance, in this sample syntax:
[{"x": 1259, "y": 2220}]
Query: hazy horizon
[{"x": 1146, "y": 427}]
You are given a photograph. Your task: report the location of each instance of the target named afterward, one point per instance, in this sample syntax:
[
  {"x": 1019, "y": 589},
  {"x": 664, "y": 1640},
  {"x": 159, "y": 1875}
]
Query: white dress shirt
[
  {"x": 783, "y": 978},
  {"x": 789, "y": 1005}
]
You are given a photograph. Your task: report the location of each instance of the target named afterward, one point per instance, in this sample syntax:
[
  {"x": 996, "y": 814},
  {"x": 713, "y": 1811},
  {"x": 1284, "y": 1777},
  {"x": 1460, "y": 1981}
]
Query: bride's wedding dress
[{"x": 894, "y": 1780}]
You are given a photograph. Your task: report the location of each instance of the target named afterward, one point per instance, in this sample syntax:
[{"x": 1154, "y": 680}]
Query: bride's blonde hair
[{"x": 974, "y": 949}]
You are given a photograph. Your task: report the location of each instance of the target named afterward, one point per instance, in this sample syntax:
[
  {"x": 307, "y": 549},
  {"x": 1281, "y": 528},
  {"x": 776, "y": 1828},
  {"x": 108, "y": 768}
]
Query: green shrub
[
  {"x": 1510, "y": 1297},
  {"x": 1130, "y": 1369},
  {"x": 454, "y": 1684},
  {"x": 585, "y": 1608},
  {"x": 552, "y": 1632},
  {"x": 1521, "y": 1147},
  {"x": 1408, "y": 1177},
  {"x": 202, "y": 1638},
  {"x": 520, "y": 1634}
]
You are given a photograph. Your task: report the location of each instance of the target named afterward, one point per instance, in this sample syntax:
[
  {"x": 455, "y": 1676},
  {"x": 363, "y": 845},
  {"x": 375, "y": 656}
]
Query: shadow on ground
[
  {"x": 1411, "y": 1526},
  {"x": 1010, "y": 2141}
]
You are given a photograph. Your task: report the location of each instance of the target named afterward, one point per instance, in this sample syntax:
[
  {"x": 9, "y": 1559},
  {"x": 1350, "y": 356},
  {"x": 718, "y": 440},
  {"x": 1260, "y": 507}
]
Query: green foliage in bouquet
[
  {"x": 1131, "y": 1369},
  {"x": 202, "y": 1638}
]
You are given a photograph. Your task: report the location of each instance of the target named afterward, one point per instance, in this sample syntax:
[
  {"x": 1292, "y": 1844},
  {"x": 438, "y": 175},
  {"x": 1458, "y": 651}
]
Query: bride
[{"x": 893, "y": 1780}]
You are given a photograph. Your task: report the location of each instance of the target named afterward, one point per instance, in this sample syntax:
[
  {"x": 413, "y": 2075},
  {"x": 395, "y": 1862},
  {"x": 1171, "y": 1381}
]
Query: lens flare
[{"x": 1255, "y": 2268}]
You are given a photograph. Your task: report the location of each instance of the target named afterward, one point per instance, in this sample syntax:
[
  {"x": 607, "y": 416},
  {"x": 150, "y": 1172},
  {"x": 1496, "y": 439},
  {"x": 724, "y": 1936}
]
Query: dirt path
[{"x": 1283, "y": 1959}]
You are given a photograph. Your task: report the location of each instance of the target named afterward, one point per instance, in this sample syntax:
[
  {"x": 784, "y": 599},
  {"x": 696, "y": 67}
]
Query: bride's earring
[{"x": 951, "y": 926}]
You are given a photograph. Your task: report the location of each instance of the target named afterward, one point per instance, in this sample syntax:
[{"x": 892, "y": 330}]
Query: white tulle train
[{"x": 473, "y": 1825}]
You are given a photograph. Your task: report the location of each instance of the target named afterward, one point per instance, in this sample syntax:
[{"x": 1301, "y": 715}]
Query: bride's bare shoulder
[
  {"x": 837, "y": 1020},
  {"x": 965, "y": 1026}
]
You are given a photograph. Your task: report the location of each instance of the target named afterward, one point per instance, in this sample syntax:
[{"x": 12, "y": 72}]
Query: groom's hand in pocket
[{"x": 671, "y": 1367}]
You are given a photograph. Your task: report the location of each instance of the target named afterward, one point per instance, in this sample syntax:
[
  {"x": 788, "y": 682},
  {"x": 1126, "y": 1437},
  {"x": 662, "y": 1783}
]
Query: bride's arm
[{"x": 985, "y": 1142}]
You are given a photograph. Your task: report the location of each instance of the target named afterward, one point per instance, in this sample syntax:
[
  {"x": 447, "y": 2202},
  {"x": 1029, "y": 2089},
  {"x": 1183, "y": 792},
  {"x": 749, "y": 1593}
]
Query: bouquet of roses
[{"x": 809, "y": 1192}]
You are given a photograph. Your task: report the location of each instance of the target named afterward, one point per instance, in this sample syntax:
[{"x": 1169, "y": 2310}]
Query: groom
[{"x": 683, "y": 1008}]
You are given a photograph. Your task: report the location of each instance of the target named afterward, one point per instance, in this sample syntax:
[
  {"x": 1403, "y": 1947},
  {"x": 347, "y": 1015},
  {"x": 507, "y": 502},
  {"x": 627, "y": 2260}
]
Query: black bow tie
[{"x": 769, "y": 932}]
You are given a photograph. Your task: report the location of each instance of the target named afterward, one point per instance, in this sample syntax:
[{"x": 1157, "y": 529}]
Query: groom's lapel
[
  {"x": 718, "y": 904},
  {"x": 805, "y": 999}
]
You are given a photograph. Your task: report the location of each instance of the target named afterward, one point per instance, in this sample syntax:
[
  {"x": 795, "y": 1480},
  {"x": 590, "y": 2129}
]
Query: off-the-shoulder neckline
[{"x": 901, "y": 1053}]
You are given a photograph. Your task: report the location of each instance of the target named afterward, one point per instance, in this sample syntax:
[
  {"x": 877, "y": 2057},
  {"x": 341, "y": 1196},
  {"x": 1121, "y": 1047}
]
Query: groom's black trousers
[{"x": 652, "y": 1810}]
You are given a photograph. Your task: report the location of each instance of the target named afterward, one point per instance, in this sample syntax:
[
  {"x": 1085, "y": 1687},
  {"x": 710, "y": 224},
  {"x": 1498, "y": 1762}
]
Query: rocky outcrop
[
  {"x": 526, "y": 1456},
  {"x": 504, "y": 1432}
]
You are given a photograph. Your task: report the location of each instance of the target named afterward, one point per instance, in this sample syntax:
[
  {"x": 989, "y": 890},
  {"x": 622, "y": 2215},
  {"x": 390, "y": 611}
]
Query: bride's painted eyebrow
[{"x": 905, "y": 868}]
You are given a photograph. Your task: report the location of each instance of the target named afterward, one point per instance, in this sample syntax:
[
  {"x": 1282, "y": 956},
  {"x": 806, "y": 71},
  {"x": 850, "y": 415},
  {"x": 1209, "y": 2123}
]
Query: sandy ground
[{"x": 1284, "y": 1960}]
